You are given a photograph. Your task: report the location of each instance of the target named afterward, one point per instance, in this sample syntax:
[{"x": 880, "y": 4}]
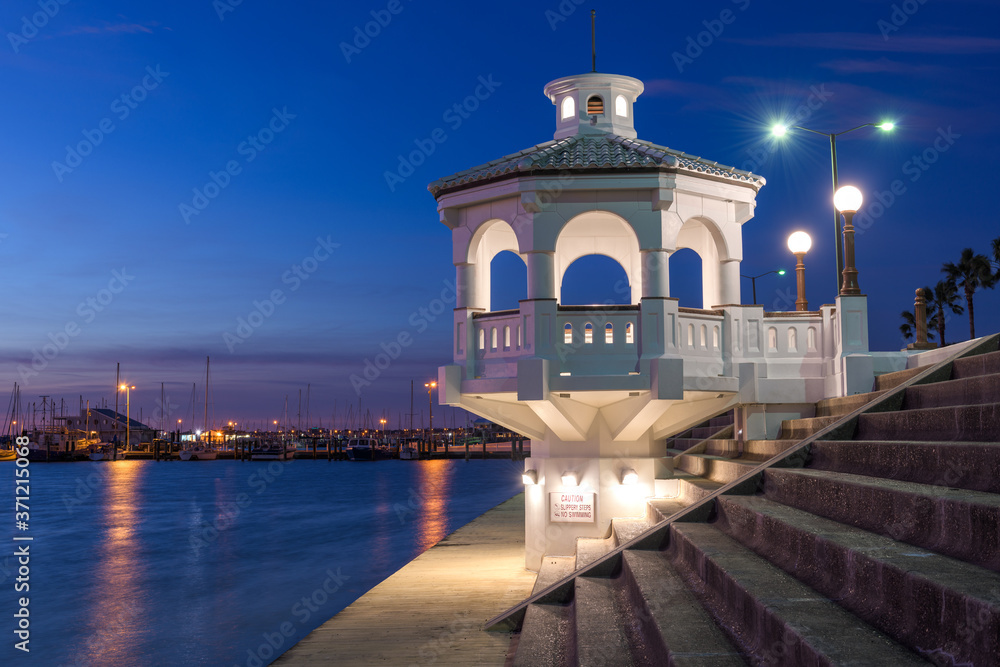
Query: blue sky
[{"x": 249, "y": 154}]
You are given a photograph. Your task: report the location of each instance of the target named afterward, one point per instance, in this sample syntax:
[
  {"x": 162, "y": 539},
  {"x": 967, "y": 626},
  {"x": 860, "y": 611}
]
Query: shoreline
[{"x": 432, "y": 610}]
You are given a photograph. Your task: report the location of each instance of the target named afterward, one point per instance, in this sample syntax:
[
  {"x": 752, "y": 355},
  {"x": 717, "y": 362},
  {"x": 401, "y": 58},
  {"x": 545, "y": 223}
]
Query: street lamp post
[
  {"x": 800, "y": 243},
  {"x": 430, "y": 408},
  {"x": 753, "y": 281},
  {"x": 848, "y": 200},
  {"x": 128, "y": 419},
  {"x": 782, "y": 130}
]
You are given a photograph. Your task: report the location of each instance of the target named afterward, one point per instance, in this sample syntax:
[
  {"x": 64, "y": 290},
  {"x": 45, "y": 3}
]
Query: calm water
[{"x": 198, "y": 563}]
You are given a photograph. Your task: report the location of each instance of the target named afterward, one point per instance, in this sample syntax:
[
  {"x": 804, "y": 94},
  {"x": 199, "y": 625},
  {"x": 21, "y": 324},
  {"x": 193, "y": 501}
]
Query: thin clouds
[
  {"x": 883, "y": 66},
  {"x": 112, "y": 29}
]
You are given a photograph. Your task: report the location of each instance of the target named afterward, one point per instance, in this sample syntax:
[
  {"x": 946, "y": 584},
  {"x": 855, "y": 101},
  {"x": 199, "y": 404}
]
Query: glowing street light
[
  {"x": 128, "y": 419},
  {"x": 430, "y": 405},
  {"x": 800, "y": 243},
  {"x": 753, "y": 281},
  {"x": 848, "y": 200},
  {"x": 781, "y": 130}
]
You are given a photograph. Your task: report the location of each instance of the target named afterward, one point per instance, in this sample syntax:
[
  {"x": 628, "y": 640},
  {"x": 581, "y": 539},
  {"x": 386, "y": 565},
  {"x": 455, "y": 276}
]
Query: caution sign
[{"x": 571, "y": 507}]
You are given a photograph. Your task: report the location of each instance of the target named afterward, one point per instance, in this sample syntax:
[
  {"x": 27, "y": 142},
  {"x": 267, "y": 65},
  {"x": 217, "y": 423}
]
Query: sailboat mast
[{"x": 207, "y": 429}]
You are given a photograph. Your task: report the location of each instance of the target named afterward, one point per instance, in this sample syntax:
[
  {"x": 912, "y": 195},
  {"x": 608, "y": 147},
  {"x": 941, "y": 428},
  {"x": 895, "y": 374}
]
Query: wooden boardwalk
[{"x": 431, "y": 612}]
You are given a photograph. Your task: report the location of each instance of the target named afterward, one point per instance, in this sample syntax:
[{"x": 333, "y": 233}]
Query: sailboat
[{"x": 201, "y": 451}]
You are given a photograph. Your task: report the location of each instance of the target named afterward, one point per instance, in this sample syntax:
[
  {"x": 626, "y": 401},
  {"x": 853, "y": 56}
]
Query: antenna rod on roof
[{"x": 593, "y": 39}]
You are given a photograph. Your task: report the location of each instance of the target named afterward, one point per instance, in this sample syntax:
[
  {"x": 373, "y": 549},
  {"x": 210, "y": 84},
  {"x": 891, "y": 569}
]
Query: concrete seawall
[{"x": 431, "y": 612}]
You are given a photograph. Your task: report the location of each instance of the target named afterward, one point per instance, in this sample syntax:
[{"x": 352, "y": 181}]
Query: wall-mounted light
[
  {"x": 570, "y": 478},
  {"x": 529, "y": 477},
  {"x": 629, "y": 477}
]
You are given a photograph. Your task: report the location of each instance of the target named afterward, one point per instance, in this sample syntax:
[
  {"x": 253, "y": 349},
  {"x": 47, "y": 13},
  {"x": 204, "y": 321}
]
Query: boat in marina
[
  {"x": 366, "y": 449},
  {"x": 272, "y": 451},
  {"x": 199, "y": 451},
  {"x": 105, "y": 451},
  {"x": 8, "y": 455}
]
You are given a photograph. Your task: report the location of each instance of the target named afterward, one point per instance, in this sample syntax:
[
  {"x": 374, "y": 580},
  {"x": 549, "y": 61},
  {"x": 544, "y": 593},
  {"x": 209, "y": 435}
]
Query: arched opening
[
  {"x": 588, "y": 333},
  {"x": 703, "y": 236},
  {"x": 629, "y": 337},
  {"x": 609, "y": 333},
  {"x": 568, "y": 107},
  {"x": 686, "y": 278},
  {"x": 490, "y": 239},
  {"x": 621, "y": 107},
  {"x": 600, "y": 233},
  {"x": 595, "y": 280},
  {"x": 595, "y": 106},
  {"x": 568, "y": 334},
  {"x": 508, "y": 281}
]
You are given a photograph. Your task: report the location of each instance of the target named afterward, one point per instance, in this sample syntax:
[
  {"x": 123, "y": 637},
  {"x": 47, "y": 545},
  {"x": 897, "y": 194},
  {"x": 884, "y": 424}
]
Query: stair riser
[
  {"x": 600, "y": 624},
  {"x": 969, "y": 391},
  {"x": 797, "y": 429},
  {"x": 892, "y": 380},
  {"x": 982, "y": 364},
  {"x": 548, "y": 631},
  {"x": 703, "y": 432},
  {"x": 911, "y": 609},
  {"x": 843, "y": 405},
  {"x": 717, "y": 470},
  {"x": 722, "y": 420},
  {"x": 957, "y": 529},
  {"x": 964, "y": 466},
  {"x": 971, "y": 423}
]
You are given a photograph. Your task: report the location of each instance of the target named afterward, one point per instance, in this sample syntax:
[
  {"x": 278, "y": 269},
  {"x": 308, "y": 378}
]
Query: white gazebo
[{"x": 598, "y": 388}]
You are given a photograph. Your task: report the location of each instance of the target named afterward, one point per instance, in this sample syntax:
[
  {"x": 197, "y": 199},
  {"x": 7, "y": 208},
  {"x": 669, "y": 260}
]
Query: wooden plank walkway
[{"x": 431, "y": 612}]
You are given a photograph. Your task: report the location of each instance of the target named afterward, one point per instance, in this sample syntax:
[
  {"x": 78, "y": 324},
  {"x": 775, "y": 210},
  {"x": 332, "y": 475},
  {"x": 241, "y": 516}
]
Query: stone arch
[
  {"x": 719, "y": 274},
  {"x": 599, "y": 233},
  {"x": 490, "y": 239}
]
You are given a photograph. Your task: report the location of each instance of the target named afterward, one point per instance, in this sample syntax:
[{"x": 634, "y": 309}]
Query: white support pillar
[
  {"x": 729, "y": 283},
  {"x": 655, "y": 273},
  {"x": 541, "y": 275},
  {"x": 465, "y": 284}
]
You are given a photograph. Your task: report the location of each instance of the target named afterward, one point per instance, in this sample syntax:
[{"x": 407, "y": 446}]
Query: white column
[
  {"x": 541, "y": 275},
  {"x": 729, "y": 283},
  {"x": 465, "y": 284},
  {"x": 655, "y": 273}
]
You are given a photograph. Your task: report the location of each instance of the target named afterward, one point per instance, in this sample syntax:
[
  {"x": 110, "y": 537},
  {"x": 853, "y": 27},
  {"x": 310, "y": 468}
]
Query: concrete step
[
  {"x": 713, "y": 468},
  {"x": 601, "y": 623},
  {"x": 954, "y": 522},
  {"x": 919, "y": 598},
  {"x": 752, "y": 450},
  {"x": 974, "y": 390},
  {"x": 896, "y": 378},
  {"x": 843, "y": 405},
  {"x": 722, "y": 420},
  {"x": 590, "y": 549},
  {"x": 702, "y": 432},
  {"x": 675, "y": 628},
  {"x": 682, "y": 444},
  {"x": 659, "y": 509},
  {"x": 552, "y": 570},
  {"x": 797, "y": 429},
  {"x": 547, "y": 637},
  {"x": 969, "y": 423},
  {"x": 980, "y": 364},
  {"x": 770, "y": 615},
  {"x": 963, "y": 465},
  {"x": 624, "y": 530}
]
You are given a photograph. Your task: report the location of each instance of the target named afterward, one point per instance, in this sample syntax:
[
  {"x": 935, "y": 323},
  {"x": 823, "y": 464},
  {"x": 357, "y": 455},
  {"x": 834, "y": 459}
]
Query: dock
[{"x": 432, "y": 610}]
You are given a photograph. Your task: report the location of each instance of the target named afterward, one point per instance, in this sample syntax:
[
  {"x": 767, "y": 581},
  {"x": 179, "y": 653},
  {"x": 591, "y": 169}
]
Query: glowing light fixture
[
  {"x": 887, "y": 126},
  {"x": 848, "y": 198},
  {"x": 629, "y": 477},
  {"x": 529, "y": 477},
  {"x": 570, "y": 478},
  {"x": 779, "y": 130},
  {"x": 799, "y": 242}
]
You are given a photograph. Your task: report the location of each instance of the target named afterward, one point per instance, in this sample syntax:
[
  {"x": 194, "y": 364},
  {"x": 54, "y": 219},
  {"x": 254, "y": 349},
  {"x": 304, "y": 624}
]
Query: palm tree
[
  {"x": 996, "y": 255},
  {"x": 970, "y": 273},
  {"x": 940, "y": 300}
]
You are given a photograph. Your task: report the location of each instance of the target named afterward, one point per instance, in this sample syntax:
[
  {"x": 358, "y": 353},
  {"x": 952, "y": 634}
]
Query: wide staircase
[{"x": 866, "y": 535}]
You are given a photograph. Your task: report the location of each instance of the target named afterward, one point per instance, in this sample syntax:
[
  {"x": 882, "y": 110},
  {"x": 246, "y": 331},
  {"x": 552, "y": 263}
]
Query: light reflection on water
[{"x": 168, "y": 563}]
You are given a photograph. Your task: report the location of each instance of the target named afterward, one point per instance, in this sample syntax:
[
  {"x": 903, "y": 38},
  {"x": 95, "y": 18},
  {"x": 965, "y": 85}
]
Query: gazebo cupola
[{"x": 594, "y": 103}]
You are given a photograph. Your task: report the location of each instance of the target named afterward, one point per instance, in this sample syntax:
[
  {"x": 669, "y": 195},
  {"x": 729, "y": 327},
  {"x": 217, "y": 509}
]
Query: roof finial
[{"x": 593, "y": 39}]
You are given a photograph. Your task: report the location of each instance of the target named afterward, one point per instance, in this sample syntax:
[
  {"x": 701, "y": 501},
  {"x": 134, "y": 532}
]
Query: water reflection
[
  {"x": 112, "y": 633},
  {"x": 433, "y": 487}
]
